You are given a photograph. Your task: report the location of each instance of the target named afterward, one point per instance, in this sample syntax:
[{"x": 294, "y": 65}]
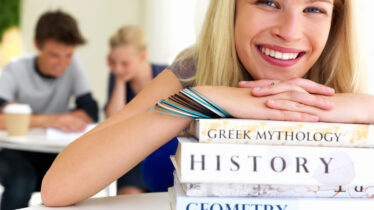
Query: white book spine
[
  {"x": 283, "y": 133},
  {"x": 259, "y": 164},
  {"x": 182, "y": 202},
  {"x": 267, "y": 190},
  {"x": 263, "y": 190}
]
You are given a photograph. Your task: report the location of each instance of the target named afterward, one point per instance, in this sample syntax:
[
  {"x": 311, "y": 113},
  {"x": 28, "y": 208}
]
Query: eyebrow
[{"x": 326, "y": 1}]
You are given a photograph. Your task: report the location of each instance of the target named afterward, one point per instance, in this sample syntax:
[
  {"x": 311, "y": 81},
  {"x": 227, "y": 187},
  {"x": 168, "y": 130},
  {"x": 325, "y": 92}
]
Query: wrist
[
  {"x": 191, "y": 103},
  {"x": 220, "y": 94},
  {"x": 43, "y": 121},
  {"x": 119, "y": 81}
]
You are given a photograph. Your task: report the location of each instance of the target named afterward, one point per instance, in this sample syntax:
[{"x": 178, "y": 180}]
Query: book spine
[
  {"x": 225, "y": 203},
  {"x": 259, "y": 164},
  {"x": 266, "y": 190},
  {"x": 263, "y": 190},
  {"x": 182, "y": 202},
  {"x": 200, "y": 203},
  {"x": 283, "y": 133}
]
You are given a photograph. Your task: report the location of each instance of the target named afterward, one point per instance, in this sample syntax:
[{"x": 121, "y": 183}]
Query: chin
[
  {"x": 276, "y": 76},
  {"x": 58, "y": 74}
]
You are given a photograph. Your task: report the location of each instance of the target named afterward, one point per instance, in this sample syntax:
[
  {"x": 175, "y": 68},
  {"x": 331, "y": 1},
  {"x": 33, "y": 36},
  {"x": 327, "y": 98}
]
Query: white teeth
[
  {"x": 272, "y": 53},
  {"x": 285, "y": 56},
  {"x": 279, "y": 55}
]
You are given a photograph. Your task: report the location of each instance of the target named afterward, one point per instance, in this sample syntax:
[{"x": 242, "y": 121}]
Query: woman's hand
[
  {"x": 348, "y": 108},
  {"x": 297, "y": 95},
  {"x": 272, "y": 87},
  {"x": 241, "y": 104}
]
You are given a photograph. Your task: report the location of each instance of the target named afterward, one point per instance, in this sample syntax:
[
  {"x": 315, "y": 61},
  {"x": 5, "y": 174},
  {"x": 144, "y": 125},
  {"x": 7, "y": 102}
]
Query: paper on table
[{"x": 60, "y": 137}]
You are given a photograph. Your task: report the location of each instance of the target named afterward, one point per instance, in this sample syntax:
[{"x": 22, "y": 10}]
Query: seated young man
[{"x": 47, "y": 82}]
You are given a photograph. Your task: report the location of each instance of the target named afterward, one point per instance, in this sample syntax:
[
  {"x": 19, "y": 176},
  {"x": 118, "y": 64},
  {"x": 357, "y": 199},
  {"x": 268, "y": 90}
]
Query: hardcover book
[
  {"x": 243, "y": 131},
  {"x": 275, "y": 165},
  {"x": 268, "y": 190},
  {"x": 180, "y": 201}
]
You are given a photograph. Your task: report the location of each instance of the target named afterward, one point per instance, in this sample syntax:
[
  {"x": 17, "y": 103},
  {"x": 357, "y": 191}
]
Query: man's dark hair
[{"x": 58, "y": 26}]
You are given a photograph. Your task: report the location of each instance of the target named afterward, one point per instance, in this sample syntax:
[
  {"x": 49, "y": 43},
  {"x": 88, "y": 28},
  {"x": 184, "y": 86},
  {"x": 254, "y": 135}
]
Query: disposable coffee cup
[{"x": 17, "y": 119}]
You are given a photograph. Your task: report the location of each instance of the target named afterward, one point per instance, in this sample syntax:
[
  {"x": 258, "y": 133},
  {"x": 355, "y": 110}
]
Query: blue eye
[
  {"x": 268, "y": 3},
  {"x": 313, "y": 10}
]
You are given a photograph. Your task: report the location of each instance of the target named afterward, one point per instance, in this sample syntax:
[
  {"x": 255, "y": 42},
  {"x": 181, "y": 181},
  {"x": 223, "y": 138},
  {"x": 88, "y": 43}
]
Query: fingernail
[
  {"x": 270, "y": 101},
  {"x": 331, "y": 90},
  {"x": 256, "y": 88}
]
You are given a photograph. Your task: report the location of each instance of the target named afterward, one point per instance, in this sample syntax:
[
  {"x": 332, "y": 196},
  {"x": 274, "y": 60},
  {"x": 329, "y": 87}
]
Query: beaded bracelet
[{"x": 190, "y": 103}]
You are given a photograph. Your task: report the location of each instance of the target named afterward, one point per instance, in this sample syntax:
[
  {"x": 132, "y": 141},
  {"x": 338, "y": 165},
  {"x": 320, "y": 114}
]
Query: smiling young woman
[{"x": 277, "y": 60}]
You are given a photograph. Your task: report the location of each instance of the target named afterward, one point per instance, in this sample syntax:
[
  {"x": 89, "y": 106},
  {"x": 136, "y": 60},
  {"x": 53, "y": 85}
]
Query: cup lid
[{"x": 17, "y": 109}]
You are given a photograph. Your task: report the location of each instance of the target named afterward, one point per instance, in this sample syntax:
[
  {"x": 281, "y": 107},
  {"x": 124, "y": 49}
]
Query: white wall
[
  {"x": 171, "y": 26},
  {"x": 366, "y": 17}
]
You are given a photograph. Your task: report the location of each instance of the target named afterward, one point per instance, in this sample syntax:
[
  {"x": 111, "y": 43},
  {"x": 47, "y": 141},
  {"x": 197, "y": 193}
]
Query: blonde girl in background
[
  {"x": 130, "y": 73},
  {"x": 270, "y": 60},
  {"x": 130, "y": 69}
]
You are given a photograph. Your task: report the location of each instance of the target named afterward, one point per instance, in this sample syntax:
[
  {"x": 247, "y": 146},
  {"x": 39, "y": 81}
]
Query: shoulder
[
  {"x": 184, "y": 60},
  {"x": 76, "y": 62},
  {"x": 184, "y": 65},
  {"x": 76, "y": 67},
  {"x": 19, "y": 65}
]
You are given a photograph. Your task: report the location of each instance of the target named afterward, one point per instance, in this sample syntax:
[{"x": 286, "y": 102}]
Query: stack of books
[{"x": 229, "y": 164}]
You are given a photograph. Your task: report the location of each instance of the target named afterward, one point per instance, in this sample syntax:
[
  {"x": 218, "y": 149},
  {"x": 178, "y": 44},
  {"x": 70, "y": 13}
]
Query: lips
[{"x": 280, "y": 56}]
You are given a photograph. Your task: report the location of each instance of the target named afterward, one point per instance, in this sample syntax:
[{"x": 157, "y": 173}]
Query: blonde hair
[
  {"x": 340, "y": 65},
  {"x": 218, "y": 63},
  {"x": 129, "y": 35}
]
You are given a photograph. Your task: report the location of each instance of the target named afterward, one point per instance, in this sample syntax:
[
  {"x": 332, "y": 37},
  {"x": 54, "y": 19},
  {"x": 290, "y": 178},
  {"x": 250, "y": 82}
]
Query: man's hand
[{"x": 68, "y": 122}]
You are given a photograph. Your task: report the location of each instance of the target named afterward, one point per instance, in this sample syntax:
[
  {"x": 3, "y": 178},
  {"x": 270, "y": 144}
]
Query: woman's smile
[{"x": 280, "y": 56}]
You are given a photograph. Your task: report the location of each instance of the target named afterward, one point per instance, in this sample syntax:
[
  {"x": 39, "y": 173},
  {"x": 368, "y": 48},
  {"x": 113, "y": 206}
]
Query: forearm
[
  {"x": 349, "y": 108},
  {"x": 42, "y": 120},
  {"x": 117, "y": 99},
  {"x": 127, "y": 142},
  {"x": 369, "y": 106},
  {"x": 82, "y": 115}
]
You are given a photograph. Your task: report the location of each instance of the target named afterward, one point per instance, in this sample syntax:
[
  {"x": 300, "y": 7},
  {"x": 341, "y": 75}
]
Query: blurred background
[{"x": 170, "y": 25}]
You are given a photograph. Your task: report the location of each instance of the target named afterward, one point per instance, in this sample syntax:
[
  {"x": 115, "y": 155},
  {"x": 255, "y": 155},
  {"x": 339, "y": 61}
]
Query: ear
[
  {"x": 37, "y": 45},
  {"x": 143, "y": 55}
]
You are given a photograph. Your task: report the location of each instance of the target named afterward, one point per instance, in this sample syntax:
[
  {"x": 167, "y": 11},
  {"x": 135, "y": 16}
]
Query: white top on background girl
[{"x": 297, "y": 56}]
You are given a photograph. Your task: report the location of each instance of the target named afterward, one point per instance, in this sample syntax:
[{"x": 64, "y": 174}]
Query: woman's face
[
  {"x": 281, "y": 39},
  {"x": 124, "y": 61}
]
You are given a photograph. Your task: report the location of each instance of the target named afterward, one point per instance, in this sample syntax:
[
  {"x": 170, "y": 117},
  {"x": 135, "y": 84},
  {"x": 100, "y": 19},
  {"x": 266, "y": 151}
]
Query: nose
[{"x": 288, "y": 28}]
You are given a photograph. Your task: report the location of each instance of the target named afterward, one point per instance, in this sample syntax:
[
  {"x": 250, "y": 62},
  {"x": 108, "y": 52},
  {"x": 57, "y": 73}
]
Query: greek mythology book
[{"x": 282, "y": 133}]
